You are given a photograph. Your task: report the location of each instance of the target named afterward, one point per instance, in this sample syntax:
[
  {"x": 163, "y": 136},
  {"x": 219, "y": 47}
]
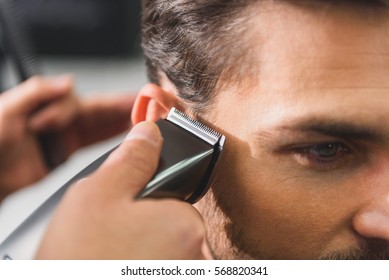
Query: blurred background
[{"x": 99, "y": 42}]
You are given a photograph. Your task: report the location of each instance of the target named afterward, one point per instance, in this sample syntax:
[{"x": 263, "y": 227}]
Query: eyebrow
[{"x": 335, "y": 128}]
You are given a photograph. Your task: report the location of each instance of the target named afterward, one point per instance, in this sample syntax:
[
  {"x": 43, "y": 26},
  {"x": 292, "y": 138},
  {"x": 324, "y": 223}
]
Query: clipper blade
[{"x": 197, "y": 128}]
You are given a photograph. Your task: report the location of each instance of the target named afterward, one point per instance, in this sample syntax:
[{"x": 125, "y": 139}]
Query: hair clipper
[{"x": 189, "y": 155}]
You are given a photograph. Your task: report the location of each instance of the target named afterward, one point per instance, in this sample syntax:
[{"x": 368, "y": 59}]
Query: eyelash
[{"x": 308, "y": 157}]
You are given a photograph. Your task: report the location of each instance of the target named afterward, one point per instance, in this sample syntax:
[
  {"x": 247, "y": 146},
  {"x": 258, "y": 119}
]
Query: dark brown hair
[
  {"x": 192, "y": 42},
  {"x": 199, "y": 43}
]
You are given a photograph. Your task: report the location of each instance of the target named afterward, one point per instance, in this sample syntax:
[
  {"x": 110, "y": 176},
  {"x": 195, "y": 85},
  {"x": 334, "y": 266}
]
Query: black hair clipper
[{"x": 189, "y": 155}]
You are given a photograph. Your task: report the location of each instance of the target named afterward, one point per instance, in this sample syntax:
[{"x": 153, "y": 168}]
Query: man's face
[{"x": 305, "y": 173}]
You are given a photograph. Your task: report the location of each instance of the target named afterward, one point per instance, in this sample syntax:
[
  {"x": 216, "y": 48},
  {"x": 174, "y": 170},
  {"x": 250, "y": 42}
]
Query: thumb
[{"x": 131, "y": 166}]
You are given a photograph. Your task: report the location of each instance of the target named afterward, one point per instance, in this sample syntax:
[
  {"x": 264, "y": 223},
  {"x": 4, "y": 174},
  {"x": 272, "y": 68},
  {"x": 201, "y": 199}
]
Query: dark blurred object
[
  {"x": 83, "y": 27},
  {"x": 17, "y": 51}
]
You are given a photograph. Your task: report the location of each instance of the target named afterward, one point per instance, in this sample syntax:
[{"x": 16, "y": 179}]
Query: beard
[
  {"x": 372, "y": 250},
  {"x": 226, "y": 239}
]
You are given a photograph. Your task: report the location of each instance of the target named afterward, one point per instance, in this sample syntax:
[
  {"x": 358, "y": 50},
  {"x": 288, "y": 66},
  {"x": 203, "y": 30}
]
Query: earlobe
[{"x": 152, "y": 103}]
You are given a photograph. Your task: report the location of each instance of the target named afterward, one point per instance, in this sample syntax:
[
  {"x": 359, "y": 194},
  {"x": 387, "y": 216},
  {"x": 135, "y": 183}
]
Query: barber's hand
[
  {"x": 99, "y": 218},
  {"x": 41, "y": 105},
  {"x": 20, "y": 158}
]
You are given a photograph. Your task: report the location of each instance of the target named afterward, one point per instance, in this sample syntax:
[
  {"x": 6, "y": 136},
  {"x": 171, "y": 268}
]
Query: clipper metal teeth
[{"x": 200, "y": 130}]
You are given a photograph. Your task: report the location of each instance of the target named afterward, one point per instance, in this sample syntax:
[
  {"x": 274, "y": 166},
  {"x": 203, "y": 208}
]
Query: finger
[
  {"x": 106, "y": 113},
  {"x": 109, "y": 103},
  {"x": 56, "y": 115},
  {"x": 30, "y": 95},
  {"x": 132, "y": 165},
  {"x": 107, "y": 110},
  {"x": 196, "y": 243},
  {"x": 189, "y": 231},
  {"x": 100, "y": 118}
]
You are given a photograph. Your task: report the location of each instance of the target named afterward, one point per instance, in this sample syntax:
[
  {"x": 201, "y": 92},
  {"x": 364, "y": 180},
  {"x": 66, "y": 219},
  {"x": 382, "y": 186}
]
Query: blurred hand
[
  {"x": 99, "y": 219},
  {"x": 42, "y": 105}
]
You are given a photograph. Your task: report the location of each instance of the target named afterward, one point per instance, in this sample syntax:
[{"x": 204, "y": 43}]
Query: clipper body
[{"x": 188, "y": 157}]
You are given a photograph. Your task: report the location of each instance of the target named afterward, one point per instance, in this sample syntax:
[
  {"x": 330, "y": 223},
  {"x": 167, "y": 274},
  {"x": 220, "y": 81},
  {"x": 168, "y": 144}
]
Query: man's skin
[
  {"x": 305, "y": 172},
  {"x": 322, "y": 80}
]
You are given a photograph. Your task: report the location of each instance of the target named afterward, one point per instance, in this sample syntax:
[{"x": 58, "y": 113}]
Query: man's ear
[{"x": 152, "y": 103}]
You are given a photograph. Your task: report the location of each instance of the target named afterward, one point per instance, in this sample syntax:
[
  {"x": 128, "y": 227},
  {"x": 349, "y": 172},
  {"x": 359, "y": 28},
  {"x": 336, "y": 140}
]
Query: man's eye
[
  {"x": 326, "y": 151},
  {"x": 324, "y": 156}
]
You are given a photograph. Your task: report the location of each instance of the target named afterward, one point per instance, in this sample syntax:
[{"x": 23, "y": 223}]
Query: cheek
[
  {"x": 276, "y": 214},
  {"x": 268, "y": 209}
]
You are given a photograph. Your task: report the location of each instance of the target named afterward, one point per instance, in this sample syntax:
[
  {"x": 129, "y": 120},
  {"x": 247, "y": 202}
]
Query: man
[{"x": 301, "y": 90}]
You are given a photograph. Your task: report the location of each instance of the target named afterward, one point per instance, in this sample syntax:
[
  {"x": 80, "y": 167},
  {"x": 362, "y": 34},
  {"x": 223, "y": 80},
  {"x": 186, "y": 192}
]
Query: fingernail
[
  {"x": 62, "y": 81},
  {"x": 146, "y": 131}
]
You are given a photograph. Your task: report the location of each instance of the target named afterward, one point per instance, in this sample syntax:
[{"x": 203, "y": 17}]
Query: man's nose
[{"x": 372, "y": 221}]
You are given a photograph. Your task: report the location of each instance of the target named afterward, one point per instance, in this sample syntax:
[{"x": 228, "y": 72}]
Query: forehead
[
  {"x": 318, "y": 42},
  {"x": 327, "y": 56},
  {"x": 325, "y": 63}
]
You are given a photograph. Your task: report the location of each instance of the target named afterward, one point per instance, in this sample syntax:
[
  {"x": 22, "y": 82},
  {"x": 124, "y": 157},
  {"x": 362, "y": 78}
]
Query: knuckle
[
  {"x": 75, "y": 187},
  {"x": 79, "y": 190},
  {"x": 189, "y": 225},
  {"x": 192, "y": 239},
  {"x": 35, "y": 83}
]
